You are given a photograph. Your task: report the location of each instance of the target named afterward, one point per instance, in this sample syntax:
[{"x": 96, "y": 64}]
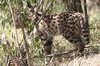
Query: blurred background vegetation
[{"x": 19, "y": 45}]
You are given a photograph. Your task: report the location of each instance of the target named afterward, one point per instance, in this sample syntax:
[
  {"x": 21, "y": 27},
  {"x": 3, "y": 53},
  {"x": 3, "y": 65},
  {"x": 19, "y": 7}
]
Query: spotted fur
[{"x": 71, "y": 25}]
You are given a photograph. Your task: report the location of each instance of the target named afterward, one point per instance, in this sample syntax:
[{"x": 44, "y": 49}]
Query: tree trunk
[
  {"x": 85, "y": 12},
  {"x": 73, "y": 5}
]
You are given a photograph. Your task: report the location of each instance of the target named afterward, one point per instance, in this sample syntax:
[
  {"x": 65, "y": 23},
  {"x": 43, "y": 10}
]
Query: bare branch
[
  {"x": 13, "y": 18},
  {"x": 30, "y": 6},
  {"x": 8, "y": 63},
  {"x": 44, "y": 12},
  {"x": 45, "y": 5},
  {"x": 60, "y": 54},
  {"x": 51, "y": 4},
  {"x": 56, "y": 55},
  {"x": 38, "y": 7},
  {"x": 24, "y": 36}
]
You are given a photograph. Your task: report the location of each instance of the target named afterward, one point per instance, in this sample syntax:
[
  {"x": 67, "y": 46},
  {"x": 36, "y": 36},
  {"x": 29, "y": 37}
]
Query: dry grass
[{"x": 92, "y": 60}]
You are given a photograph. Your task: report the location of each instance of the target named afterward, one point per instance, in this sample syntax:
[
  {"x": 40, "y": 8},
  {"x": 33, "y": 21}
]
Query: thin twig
[
  {"x": 59, "y": 54},
  {"x": 45, "y": 5},
  {"x": 24, "y": 38},
  {"x": 55, "y": 55},
  {"x": 45, "y": 11},
  {"x": 50, "y": 5},
  {"x": 13, "y": 18},
  {"x": 38, "y": 7},
  {"x": 8, "y": 63}
]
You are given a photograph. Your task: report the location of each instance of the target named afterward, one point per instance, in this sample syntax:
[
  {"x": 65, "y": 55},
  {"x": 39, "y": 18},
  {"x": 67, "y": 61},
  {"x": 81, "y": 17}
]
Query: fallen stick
[{"x": 59, "y": 54}]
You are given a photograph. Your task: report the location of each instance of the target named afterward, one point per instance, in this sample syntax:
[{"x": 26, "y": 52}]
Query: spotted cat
[{"x": 71, "y": 25}]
